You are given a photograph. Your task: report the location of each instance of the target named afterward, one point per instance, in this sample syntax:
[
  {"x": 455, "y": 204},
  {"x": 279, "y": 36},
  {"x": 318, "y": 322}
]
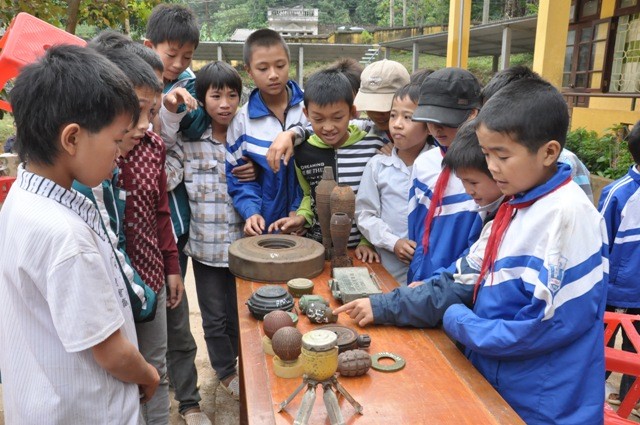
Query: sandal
[{"x": 232, "y": 387}]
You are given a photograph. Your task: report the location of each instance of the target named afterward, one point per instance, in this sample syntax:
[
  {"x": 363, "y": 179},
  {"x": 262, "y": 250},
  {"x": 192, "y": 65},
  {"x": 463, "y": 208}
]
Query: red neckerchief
[
  {"x": 436, "y": 204},
  {"x": 505, "y": 214}
]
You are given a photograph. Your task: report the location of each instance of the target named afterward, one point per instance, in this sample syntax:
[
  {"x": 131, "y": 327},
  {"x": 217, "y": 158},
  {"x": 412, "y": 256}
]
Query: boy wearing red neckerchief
[{"x": 535, "y": 331}]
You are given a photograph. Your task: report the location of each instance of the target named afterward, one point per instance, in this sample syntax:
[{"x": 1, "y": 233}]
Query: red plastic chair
[
  {"x": 26, "y": 40},
  {"x": 622, "y": 362}
]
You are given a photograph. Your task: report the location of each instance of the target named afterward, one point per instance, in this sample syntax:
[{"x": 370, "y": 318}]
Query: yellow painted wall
[
  {"x": 600, "y": 120},
  {"x": 610, "y": 103},
  {"x": 551, "y": 39},
  {"x": 607, "y": 8}
]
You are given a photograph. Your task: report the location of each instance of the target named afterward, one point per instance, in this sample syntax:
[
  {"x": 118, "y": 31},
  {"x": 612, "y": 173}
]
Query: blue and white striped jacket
[
  {"x": 620, "y": 206},
  {"x": 272, "y": 195},
  {"x": 536, "y": 330},
  {"x": 453, "y": 230}
]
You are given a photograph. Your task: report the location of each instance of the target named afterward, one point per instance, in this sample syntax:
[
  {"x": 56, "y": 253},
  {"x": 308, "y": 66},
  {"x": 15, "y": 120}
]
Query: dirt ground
[{"x": 216, "y": 403}]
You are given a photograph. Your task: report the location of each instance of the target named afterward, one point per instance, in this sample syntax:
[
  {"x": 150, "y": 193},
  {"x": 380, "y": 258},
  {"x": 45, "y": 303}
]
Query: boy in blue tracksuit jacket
[
  {"x": 620, "y": 206},
  {"x": 443, "y": 221},
  {"x": 535, "y": 331},
  {"x": 423, "y": 305},
  {"x": 274, "y": 106}
]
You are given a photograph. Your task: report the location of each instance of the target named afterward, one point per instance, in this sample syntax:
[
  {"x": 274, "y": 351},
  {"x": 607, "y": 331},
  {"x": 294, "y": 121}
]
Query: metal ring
[{"x": 398, "y": 364}]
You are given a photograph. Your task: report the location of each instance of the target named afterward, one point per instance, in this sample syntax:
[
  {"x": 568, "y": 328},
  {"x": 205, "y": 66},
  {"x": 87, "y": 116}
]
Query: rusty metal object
[
  {"x": 305, "y": 300},
  {"x": 275, "y": 320},
  {"x": 348, "y": 338},
  {"x": 275, "y": 258},
  {"x": 351, "y": 283},
  {"x": 300, "y": 286},
  {"x": 340, "y": 230},
  {"x": 398, "y": 364},
  {"x": 323, "y": 207},
  {"x": 320, "y": 313},
  {"x": 354, "y": 363}
]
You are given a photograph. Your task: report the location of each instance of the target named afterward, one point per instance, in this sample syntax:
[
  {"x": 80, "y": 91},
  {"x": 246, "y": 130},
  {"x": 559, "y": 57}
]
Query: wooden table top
[{"x": 438, "y": 385}]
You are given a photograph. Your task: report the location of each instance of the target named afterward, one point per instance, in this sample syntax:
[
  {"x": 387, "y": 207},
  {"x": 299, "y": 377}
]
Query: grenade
[{"x": 354, "y": 363}]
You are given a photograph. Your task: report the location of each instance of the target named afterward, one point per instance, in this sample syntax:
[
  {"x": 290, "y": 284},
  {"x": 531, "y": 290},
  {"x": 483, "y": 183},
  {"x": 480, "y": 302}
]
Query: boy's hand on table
[
  {"x": 148, "y": 390},
  {"x": 179, "y": 96},
  {"x": 175, "y": 289},
  {"x": 359, "y": 310},
  {"x": 366, "y": 254},
  {"x": 254, "y": 225},
  {"x": 280, "y": 149},
  {"x": 292, "y": 224},
  {"x": 245, "y": 172},
  {"x": 404, "y": 250}
]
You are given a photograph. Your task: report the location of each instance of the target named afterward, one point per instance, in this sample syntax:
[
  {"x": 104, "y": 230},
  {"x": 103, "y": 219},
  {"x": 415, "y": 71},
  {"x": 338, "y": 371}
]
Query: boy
[
  {"x": 619, "y": 207},
  {"x": 381, "y": 203},
  {"x": 215, "y": 224},
  {"x": 67, "y": 337},
  {"x": 172, "y": 32},
  {"x": 149, "y": 240},
  {"x": 328, "y": 105},
  {"x": 274, "y": 106},
  {"x": 443, "y": 220},
  {"x": 378, "y": 84},
  {"x": 535, "y": 331},
  {"x": 423, "y": 305},
  {"x": 579, "y": 172}
]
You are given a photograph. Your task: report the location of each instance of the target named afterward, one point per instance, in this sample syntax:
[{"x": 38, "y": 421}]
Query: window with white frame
[{"x": 625, "y": 70}]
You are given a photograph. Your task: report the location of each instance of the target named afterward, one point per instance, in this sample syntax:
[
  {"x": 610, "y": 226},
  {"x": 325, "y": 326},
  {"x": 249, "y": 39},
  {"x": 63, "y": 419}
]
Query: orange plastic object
[
  {"x": 26, "y": 40},
  {"x": 623, "y": 362},
  {"x": 5, "y": 185}
]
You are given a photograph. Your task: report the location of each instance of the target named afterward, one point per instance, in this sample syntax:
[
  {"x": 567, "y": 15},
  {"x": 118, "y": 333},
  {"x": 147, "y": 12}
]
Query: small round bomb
[
  {"x": 287, "y": 343},
  {"x": 275, "y": 320}
]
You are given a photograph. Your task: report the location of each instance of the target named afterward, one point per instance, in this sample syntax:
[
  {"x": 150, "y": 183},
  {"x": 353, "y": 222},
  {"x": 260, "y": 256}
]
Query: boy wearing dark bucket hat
[{"x": 443, "y": 219}]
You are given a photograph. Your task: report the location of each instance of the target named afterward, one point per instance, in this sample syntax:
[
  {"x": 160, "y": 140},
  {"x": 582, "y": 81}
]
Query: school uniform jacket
[
  {"x": 536, "y": 331},
  {"x": 347, "y": 162},
  {"x": 453, "y": 230},
  {"x": 620, "y": 207},
  {"x": 272, "y": 195}
]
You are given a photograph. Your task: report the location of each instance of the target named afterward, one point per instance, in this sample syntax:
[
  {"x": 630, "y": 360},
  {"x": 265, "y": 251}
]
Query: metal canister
[{"x": 320, "y": 354}]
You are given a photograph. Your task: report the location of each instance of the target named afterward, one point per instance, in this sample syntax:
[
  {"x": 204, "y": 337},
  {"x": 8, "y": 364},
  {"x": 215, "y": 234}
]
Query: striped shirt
[{"x": 62, "y": 294}]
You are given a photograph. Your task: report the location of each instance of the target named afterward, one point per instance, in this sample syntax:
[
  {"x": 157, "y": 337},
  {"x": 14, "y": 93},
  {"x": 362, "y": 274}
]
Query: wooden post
[{"x": 458, "y": 35}]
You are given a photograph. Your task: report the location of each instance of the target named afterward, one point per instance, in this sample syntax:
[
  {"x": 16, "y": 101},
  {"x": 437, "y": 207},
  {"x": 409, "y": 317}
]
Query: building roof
[
  {"x": 485, "y": 39},
  {"x": 241, "y": 34}
]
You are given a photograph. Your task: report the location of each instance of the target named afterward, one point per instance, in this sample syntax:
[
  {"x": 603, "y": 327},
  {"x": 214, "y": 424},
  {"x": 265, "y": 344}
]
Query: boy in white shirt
[{"x": 68, "y": 346}]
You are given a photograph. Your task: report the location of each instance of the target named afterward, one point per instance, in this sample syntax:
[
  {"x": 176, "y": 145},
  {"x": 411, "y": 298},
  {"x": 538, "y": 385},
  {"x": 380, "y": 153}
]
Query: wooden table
[{"x": 438, "y": 384}]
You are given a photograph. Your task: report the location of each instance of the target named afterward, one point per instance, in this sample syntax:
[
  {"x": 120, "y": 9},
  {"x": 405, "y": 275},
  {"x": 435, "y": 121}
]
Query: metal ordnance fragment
[{"x": 350, "y": 283}]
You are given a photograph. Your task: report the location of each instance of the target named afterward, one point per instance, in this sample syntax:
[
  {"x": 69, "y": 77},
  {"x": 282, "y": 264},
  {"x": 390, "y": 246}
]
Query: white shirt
[
  {"x": 382, "y": 208},
  {"x": 61, "y": 295}
]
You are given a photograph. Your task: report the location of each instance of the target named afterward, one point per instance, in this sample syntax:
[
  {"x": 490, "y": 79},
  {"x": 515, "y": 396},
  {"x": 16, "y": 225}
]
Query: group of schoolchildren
[{"x": 465, "y": 194}]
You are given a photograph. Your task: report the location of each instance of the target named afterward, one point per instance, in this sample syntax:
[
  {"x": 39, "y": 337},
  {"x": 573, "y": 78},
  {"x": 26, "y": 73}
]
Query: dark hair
[
  {"x": 262, "y": 38},
  {"x": 172, "y": 23},
  {"x": 110, "y": 39},
  {"x": 418, "y": 76},
  {"x": 351, "y": 69},
  {"x": 465, "y": 152},
  {"x": 504, "y": 77},
  {"x": 411, "y": 90},
  {"x": 327, "y": 87},
  {"x": 69, "y": 84},
  {"x": 148, "y": 55},
  {"x": 139, "y": 72},
  {"x": 217, "y": 75},
  {"x": 531, "y": 111},
  {"x": 633, "y": 142}
]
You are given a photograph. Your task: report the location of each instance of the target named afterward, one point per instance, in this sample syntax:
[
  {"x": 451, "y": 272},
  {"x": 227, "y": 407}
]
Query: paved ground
[{"x": 216, "y": 403}]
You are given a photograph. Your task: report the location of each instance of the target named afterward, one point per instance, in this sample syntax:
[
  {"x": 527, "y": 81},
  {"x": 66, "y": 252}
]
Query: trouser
[
  {"x": 152, "y": 342},
  {"x": 181, "y": 347},
  {"x": 216, "y": 289}
]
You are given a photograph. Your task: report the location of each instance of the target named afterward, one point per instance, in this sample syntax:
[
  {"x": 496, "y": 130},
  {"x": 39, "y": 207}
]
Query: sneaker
[
  {"x": 232, "y": 387},
  {"x": 196, "y": 417}
]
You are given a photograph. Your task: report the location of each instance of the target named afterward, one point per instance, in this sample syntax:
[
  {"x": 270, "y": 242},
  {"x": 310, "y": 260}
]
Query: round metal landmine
[
  {"x": 398, "y": 364},
  {"x": 275, "y": 258},
  {"x": 269, "y": 298},
  {"x": 300, "y": 286},
  {"x": 320, "y": 354},
  {"x": 267, "y": 346},
  {"x": 287, "y": 343}
]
